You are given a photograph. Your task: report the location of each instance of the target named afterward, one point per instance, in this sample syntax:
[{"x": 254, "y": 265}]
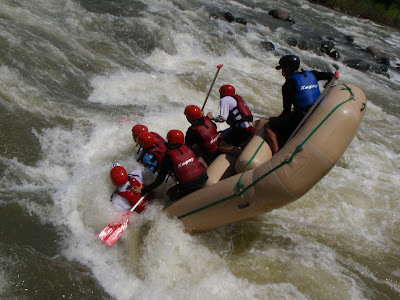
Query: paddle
[
  {"x": 113, "y": 231},
  {"x": 314, "y": 106},
  {"x": 212, "y": 84}
]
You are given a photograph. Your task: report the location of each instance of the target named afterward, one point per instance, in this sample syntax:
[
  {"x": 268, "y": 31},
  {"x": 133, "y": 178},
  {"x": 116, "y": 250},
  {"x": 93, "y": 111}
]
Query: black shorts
[
  {"x": 209, "y": 158},
  {"x": 284, "y": 125},
  {"x": 236, "y": 135},
  {"x": 180, "y": 190}
]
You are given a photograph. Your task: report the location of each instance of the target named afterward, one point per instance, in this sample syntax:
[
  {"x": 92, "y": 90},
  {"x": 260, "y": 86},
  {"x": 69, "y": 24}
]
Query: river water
[{"x": 76, "y": 75}]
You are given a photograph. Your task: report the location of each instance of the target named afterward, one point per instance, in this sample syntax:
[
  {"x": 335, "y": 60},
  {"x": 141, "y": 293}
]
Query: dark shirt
[
  {"x": 166, "y": 167},
  {"x": 289, "y": 89}
]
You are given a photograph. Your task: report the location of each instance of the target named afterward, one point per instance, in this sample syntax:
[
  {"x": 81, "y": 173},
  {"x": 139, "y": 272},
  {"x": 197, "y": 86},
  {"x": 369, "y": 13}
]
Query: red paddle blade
[{"x": 111, "y": 233}]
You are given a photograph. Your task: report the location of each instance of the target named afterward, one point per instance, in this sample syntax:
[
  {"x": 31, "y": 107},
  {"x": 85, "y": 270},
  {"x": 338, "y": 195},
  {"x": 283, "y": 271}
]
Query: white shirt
[
  {"x": 120, "y": 202},
  {"x": 228, "y": 103}
]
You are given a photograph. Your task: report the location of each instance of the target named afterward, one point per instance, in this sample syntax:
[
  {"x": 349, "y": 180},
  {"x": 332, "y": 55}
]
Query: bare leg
[
  {"x": 271, "y": 139},
  {"x": 223, "y": 147},
  {"x": 201, "y": 160}
]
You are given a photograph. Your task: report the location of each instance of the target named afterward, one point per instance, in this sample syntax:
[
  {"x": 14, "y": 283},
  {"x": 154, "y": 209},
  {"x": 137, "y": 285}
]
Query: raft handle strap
[{"x": 299, "y": 148}]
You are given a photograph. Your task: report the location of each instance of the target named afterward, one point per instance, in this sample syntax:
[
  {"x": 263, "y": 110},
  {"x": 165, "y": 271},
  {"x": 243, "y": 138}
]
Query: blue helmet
[{"x": 150, "y": 161}]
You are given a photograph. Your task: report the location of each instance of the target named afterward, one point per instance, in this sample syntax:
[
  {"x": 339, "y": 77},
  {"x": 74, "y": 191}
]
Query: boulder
[
  {"x": 378, "y": 56},
  {"x": 326, "y": 47},
  {"x": 281, "y": 15},
  {"x": 267, "y": 46},
  {"x": 367, "y": 65}
]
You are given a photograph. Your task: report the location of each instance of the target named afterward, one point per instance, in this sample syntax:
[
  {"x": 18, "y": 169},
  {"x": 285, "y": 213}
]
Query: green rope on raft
[
  {"x": 240, "y": 184},
  {"x": 242, "y": 189}
]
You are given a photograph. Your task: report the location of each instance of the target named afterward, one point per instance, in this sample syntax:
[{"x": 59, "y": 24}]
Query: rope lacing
[{"x": 241, "y": 189}]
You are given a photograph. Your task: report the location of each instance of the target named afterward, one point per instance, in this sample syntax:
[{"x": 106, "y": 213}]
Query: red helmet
[
  {"x": 137, "y": 129},
  {"x": 192, "y": 113},
  {"x": 175, "y": 137},
  {"x": 227, "y": 90},
  {"x": 118, "y": 176},
  {"x": 145, "y": 140}
]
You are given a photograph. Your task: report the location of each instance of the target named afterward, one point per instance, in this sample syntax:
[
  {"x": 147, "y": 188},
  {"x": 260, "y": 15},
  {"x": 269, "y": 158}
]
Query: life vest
[
  {"x": 159, "y": 151},
  {"x": 186, "y": 167},
  {"x": 307, "y": 89},
  {"x": 158, "y": 138},
  {"x": 241, "y": 112},
  {"x": 209, "y": 135},
  {"x": 126, "y": 192}
]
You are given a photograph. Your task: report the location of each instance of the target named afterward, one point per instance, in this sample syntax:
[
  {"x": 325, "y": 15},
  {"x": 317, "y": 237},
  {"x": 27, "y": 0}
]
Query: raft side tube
[
  {"x": 222, "y": 167},
  {"x": 287, "y": 176},
  {"x": 256, "y": 147}
]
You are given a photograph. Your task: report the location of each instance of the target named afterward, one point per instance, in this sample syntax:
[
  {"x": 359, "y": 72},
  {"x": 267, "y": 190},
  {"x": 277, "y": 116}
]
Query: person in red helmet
[
  {"x": 181, "y": 160},
  {"x": 235, "y": 112},
  {"x": 202, "y": 136},
  {"x": 138, "y": 129},
  {"x": 123, "y": 197},
  {"x": 148, "y": 143}
]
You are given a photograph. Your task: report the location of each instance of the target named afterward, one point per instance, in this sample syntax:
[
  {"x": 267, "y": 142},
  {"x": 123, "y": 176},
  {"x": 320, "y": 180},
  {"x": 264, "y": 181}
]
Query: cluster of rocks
[{"x": 370, "y": 59}]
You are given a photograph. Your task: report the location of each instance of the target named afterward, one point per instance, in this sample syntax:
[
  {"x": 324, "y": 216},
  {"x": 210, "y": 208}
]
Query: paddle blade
[{"x": 111, "y": 233}]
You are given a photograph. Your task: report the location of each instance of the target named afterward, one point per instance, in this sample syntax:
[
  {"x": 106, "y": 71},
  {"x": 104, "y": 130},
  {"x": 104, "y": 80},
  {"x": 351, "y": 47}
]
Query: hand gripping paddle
[{"x": 113, "y": 231}]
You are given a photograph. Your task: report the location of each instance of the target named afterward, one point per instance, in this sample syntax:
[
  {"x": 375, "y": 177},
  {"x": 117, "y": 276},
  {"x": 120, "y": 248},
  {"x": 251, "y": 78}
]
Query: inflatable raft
[{"x": 257, "y": 182}]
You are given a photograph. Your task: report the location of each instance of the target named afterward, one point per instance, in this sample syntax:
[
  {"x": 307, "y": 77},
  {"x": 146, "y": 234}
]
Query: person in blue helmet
[
  {"x": 150, "y": 162},
  {"x": 190, "y": 174},
  {"x": 300, "y": 90}
]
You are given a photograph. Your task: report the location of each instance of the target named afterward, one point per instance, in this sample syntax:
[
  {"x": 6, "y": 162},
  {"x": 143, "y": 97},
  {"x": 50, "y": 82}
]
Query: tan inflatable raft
[{"x": 261, "y": 182}]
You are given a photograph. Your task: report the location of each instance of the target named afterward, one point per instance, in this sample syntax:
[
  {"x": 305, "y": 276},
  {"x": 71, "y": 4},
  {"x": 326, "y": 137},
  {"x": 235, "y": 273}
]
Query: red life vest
[
  {"x": 159, "y": 151},
  {"x": 209, "y": 134},
  {"x": 132, "y": 197},
  {"x": 158, "y": 138},
  {"x": 185, "y": 164},
  {"x": 241, "y": 110}
]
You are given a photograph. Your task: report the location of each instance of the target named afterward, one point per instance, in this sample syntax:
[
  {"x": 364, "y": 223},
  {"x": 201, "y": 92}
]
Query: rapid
[{"x": 76, "y": 75}]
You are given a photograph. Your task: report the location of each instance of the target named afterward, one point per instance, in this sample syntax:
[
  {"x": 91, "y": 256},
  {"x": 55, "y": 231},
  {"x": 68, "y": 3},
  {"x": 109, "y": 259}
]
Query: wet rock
[
  {"x": 334, "y": 54},
  {"x": 302, "y": 44},
  {"x": 267, "y": 46},
  {"x": 281, "y": 15},
  {"x": 229, "y": 17},
  {"x": 349, "y": 38},
  {"x": 326, "y": 47},
  {"x": 358, "y": 64},
  {"x": 367, "y": 65},
  {"x": 241, "y": 21},
  {"x": 378, "y": 56},
  {"x": 214, "y": 13},
  {"x": 291, "y": 41}
]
